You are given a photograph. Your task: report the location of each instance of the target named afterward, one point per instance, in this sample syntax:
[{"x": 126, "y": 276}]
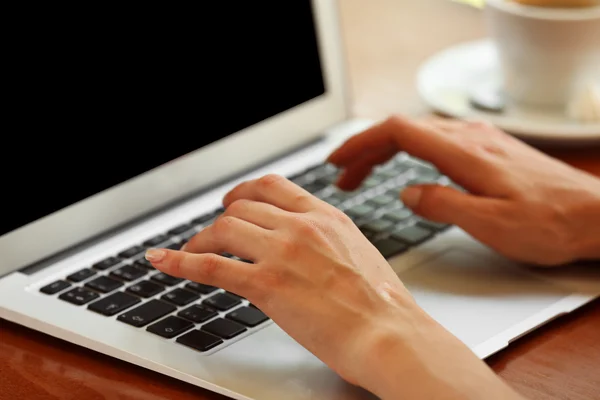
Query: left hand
[
  {"x": 520, "y": 202},
  {"x": 314, "y": 272}
]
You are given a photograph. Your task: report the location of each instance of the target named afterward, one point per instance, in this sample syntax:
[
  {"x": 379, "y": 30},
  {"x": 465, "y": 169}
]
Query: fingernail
[
  {"x": 182, "y": 248},
  {"x": 155, "y": 255},
  {"x": 411, "y": 196}
]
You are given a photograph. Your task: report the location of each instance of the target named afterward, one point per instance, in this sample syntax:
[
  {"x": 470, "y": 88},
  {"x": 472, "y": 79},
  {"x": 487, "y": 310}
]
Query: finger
[
  {"x": 444, "y": 204},
  {"x": 374, "y": 139},
  {"x": 474, "y": 130},
  {"x": 447, "y": 125},
  {"x": 261, "y": 214},
  {"x": 231, "y": 235},
  {"x": 275, "y": 190},
  {"x": 394, "y": 133},
  {"x": 464, "y": 164},
  {"x": 354, "y": 174},
  {"x": 211, "y": 269}
]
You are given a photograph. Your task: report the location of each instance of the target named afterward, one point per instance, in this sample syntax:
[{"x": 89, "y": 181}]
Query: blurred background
[{"x": 407, "y": 32}]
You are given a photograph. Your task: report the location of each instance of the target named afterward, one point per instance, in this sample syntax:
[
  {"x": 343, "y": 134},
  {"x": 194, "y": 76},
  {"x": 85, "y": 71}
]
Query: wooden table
[{"x": 386, "y": 41}]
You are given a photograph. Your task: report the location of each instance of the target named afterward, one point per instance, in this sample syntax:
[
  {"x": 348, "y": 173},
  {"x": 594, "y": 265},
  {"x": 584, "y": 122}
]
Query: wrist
[
  {"x": 587, "y": 236},
  {"x": 412, "y": 356}
]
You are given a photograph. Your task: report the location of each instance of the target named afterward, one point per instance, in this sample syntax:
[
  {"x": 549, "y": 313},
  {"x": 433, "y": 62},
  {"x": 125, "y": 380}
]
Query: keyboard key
[
  {"x": 156, "y": 240},
  {"x": 327, "y": 180},
  {"x": 132, "y": 251},
  {"x": 200, "y": 288},
  {"x": 377, "y": 226},
  {"x": 360, "y": 211},
  {"x": 187, "y": 235},
  {"x": 301, "y": 179},
  {"x": 368, "y": 234},
  {"x": 143, "y": 263},
  {"x": 314, "y": 187},
  {"x": 104, "y": 284},
  {"x": 389, "y": 247},
  {"x": 129, "y": 273},
  {"x": 419, "y": 181},
  {"x": 321, "y": 170},
  {"x": 55, "y": 287},
  {"x": 146, "y": 289},
  {"x": 371, "y": 182},
  {"x": 426, "y": 172},
  {"x": 180, "y": 297},
  {"x": 198, "y": 313},
  {"x": 248, "y": 316},
  {"x": 340, "y": 197},
  {"x": 181, "y": 229},
  {"x": 165, "y": 279},
  {"x": 170, "y": 327},
  {"x": 434, "y": 226},
  {"x": 222, "y": 301},
  {"x": 224, "y": 328},
  {"x": 381, "y": 200},
  {"x": 235, "y": 295},
  {"x": 81, "y": 275},
  {"x": 107, "y": 263},
  {"x": 114, "y": 303},
  {"x": 398, "y": 215},
  {"x": 206, "y": 219},
  {"x": 390, "y": 173},
  {"x": 174, "y": 245},
  {"x": 412, "y": 234},
  {"x": 79, "y": 296},
  {"x": 198, "y": 340},
  {"x": 334, "y": 199},
  {"x": 146, "y": 313}
]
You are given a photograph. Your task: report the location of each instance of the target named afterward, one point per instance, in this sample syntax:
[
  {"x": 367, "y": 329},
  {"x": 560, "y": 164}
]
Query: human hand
[
  {"x": 316, "y": 276},
  {"x": 314, "y": 272},
  {"x": 521, "y": 202}
]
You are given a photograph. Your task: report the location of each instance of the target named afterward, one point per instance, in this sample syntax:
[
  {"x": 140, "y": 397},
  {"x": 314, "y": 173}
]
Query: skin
[{"x": 321, "y": 281}]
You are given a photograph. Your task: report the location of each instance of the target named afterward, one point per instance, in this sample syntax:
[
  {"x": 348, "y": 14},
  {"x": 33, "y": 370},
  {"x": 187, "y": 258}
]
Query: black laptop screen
[{"x": 104, "y": 102}]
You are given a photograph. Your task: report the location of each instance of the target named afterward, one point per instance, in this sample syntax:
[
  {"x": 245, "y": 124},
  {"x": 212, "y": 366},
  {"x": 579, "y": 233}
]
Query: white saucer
[{"x": 447, "y": 80}]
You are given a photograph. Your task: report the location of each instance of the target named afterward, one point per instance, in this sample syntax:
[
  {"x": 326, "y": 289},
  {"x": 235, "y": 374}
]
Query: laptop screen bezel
[{"x": 180, "y": 178}]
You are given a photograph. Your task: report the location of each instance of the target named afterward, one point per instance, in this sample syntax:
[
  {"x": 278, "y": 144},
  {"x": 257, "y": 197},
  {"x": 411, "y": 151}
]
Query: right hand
[
  {"x": 522, "y": 203},
  {"x": 317, "y": 276}
]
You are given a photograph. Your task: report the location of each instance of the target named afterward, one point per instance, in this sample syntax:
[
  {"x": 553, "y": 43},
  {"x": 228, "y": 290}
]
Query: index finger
[
  {"x": 453, "y": 157},
  {"x": 210, "y": 269},
  {"x": 397, "y": 134}
]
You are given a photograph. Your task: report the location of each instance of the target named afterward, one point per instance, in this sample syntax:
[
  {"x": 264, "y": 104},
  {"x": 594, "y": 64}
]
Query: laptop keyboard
[{"x": 203, "y": 317}]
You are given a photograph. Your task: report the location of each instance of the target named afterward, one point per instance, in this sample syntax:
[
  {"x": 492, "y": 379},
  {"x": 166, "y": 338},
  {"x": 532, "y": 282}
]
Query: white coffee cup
[{"x": 545, "y": 54}]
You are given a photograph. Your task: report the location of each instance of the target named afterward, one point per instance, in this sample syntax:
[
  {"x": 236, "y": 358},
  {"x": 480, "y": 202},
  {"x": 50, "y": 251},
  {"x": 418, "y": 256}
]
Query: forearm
[{"x": 419, "y": 359}]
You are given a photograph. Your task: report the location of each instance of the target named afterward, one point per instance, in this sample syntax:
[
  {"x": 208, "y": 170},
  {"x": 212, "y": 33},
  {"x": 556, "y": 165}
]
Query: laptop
[{"x": 147, "y": 136}]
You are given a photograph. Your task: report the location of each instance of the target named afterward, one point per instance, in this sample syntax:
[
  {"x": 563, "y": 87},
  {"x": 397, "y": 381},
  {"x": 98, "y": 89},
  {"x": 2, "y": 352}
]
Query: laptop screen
[{"x": 105, "y": 106}]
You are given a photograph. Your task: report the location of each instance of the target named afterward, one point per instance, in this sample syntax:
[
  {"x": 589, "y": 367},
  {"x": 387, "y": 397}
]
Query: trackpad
[{"x": 476, "y": 296}]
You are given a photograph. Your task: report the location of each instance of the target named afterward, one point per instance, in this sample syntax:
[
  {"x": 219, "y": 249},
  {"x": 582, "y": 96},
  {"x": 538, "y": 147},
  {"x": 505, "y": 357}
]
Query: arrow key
[
  {"x": 170, "y": 327},
  {"x": 146, "y": 313},
  {"x": 79, "y": 296}
]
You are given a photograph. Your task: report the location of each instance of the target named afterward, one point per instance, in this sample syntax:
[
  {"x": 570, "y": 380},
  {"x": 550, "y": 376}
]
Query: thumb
[{"x": 448, "y": 205}]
